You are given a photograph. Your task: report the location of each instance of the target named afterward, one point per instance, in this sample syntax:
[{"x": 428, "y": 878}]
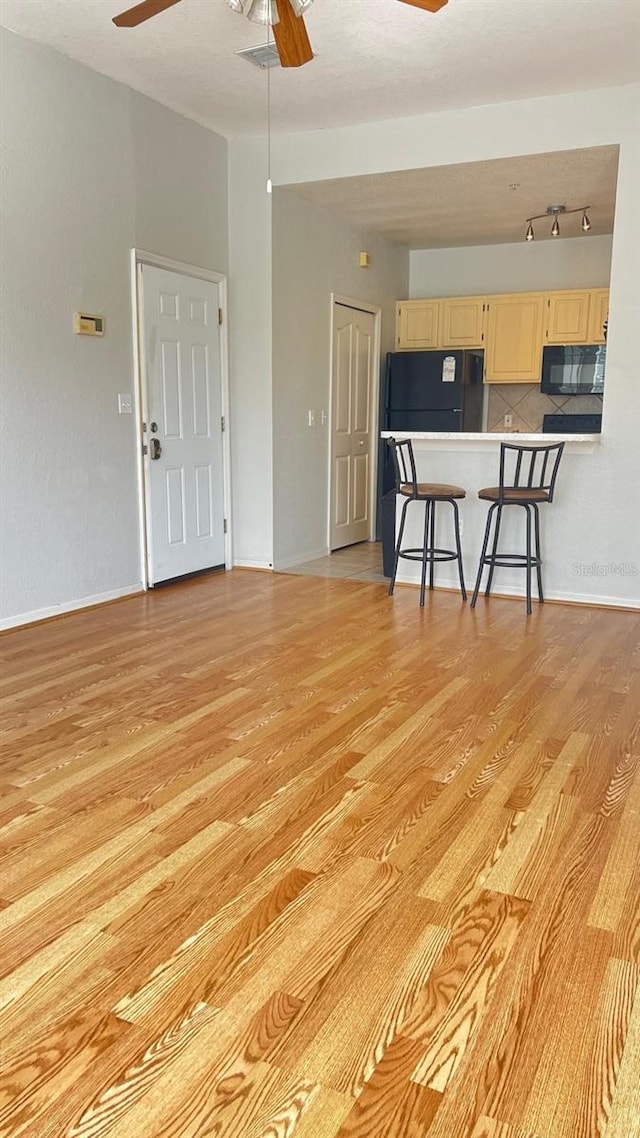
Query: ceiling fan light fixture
[
  {"x": 529, "y": 235},
  {"x": 586, "y": 224},
  {"x": 555, "y": 228},
  {"x": 263, "y": 12},
  {"x": 236, "y": 6},
  {"x": 301, "y": 6}
]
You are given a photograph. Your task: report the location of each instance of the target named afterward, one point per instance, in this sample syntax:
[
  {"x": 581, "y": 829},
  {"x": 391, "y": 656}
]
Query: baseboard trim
[
  {"x": 239, "y": 563},
  {"x": 519, "y": 594},
  {"x": 53, "y": 612}
]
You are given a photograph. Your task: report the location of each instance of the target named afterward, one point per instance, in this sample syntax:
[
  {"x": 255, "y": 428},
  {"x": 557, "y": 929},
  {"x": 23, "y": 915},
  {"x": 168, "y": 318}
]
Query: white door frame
[
  {"x": 141, "y": 257},
  {"x": 376, "y": 312}
]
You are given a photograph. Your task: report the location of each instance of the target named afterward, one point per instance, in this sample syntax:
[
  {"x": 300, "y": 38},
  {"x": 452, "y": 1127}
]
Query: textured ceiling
[
  {"x": 376, "y": 59},
  {"x": 441, "y": 207}
]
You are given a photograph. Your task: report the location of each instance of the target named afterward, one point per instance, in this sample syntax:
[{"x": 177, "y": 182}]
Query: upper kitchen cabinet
[
  {"x": 461, "y": 323},
  {"x": 417, "y": 324},
  {"x": 514, "y": 338},
  {"x": 598, "y": 313},
  {"x": 567, "y": 318}
]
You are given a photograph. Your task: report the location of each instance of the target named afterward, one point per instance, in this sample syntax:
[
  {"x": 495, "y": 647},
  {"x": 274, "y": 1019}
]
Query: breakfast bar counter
[{"x": 471, "y": 460}]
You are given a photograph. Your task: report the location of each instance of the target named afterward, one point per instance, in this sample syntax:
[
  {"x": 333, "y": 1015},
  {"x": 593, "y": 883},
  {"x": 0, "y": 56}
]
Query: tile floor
[{"x": 361, "y": 562}]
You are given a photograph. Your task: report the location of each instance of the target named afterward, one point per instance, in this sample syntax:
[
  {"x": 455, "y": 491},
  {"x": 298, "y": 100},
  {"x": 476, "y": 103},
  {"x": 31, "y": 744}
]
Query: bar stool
[
  {"x": 527, "y": 478},
  {"x": 411, "y": 490}
]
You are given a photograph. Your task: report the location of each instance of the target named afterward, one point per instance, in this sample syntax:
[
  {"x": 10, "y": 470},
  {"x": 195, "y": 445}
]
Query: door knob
[
  {"x": 155, "y": 448},
  {"x": 361, "y": 442}
]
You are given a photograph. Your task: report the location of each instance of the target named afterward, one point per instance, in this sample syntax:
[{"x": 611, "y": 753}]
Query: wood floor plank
[
  {"x": 625, "y": 1108},
  {"x": 326, "y": 866}
]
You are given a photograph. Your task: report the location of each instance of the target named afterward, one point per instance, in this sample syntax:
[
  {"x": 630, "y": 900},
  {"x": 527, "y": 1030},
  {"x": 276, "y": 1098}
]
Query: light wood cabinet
[
  {"x": 512, "y": 328},
  {"x": 567, "y": 317},
  {"x": 417, "y": 324},
  {"x": 514, "y": 338},
  {"x": 461, "y": 322},
  {"x": 598, "y": 313}
]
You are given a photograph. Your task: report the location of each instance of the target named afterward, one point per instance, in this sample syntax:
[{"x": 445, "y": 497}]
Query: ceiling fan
[{"x": 285, "y": 17}]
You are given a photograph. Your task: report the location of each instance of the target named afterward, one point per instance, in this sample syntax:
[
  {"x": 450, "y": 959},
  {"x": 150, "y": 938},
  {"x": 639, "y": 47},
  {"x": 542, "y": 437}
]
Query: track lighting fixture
[{"x": 554, "y": 211}]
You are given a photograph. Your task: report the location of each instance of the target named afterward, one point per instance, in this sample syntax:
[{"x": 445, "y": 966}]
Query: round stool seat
[
  {"x": 516, "y": 494},
  {"x": 438, "y": 490}
]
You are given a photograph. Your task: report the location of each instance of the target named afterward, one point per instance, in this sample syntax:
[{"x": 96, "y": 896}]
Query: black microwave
[{"x": 573, "y": 369}]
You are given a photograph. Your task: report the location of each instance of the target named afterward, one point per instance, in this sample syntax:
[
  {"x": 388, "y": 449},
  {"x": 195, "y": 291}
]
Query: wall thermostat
[{"x": 86, "y": 324}]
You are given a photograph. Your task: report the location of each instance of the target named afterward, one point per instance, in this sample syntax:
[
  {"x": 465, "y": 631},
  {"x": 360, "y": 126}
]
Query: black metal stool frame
[
  {"x": 405, "y": 474},
  {"x": 528, "y": 487}
]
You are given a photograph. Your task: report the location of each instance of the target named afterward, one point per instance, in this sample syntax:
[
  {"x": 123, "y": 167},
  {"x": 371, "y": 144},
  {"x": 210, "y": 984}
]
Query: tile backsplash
[{"x": 526, "y": 403}]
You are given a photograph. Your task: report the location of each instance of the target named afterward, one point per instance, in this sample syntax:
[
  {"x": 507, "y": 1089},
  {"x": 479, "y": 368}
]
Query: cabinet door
[
  {"x": 462, "y": 322},
  {"x": 514, "y": 338},
  {"x": 598, "y": 313},
  {"x": 417, "y": 324},
  {"x": 567, "y": 318}
]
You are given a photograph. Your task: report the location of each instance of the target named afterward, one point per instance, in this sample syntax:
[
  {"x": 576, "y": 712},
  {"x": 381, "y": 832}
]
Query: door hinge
[
  {"x": 224, "y": 525},
  {"x": 223, "y": 425},
  {"x": 219, "y": 316}
]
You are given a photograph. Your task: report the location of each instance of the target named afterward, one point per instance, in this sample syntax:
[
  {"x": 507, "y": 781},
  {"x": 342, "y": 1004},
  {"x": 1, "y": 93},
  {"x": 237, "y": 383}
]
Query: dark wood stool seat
[
  {"x": 430, "y": 493},
  {"x": 438, "y": 490},
  {"x": 527, "y": 478},
  {"x": 513, "y": 495}
]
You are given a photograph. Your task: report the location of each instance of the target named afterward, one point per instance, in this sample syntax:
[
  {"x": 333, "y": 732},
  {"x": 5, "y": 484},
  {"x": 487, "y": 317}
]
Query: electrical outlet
[{"x": 508, "y": 421}]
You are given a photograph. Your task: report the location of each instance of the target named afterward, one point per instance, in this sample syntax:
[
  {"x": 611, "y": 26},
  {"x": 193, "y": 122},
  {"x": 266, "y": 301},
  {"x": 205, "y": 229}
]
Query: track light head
[{"x": 554, "y": 211}]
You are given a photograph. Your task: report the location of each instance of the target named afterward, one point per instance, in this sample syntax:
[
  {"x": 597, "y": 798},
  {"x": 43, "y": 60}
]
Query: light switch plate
[{"x": 125, "y": 405}]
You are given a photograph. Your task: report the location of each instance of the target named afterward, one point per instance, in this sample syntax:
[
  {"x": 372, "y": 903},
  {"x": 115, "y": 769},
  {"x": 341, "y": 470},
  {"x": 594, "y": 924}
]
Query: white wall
[
  {"x": 85, "y": 175},
  {"x": 580, "y": 262},
  {"x": 595, "y": 517},
  {"x": 181, "y": 186},
  {"x": 250, "y": 353},
  {"x": 314, "y": 254}
]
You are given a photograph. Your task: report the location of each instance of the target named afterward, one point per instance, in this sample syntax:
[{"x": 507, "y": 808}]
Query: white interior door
[
  {"x": 182, "y": 403},
  {"x": 352, "y": 386}
]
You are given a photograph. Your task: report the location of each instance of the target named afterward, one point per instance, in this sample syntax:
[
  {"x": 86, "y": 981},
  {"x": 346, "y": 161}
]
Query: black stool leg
[
  {"x": 425, "y": 549},
  {"x": 398, "y": 547},
  {"x": 528, "y": 512},
  {"x": 487, "y": 531},
  {"x": 456, "y": 524},
  {"x": 494, "y": 550},
  {"x": 536, "y": 518},
  {"x": 432, "y": 543}
]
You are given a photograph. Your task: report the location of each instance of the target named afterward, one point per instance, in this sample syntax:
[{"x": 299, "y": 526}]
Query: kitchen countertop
[{"x": 477, "y": 440}]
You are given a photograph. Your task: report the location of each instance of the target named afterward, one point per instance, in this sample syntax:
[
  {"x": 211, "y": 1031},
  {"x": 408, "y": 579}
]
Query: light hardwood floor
[{"x": 283, "y": 857}]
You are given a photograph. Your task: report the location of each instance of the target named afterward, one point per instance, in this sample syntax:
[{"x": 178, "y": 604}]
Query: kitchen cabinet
[
  {"x": 512, "y": 328},
  {"x": 461, "y": 322},
  {"x": 417, "y": 324},
  {"x": 513, "y": 351},
  {"x": 567, "y": 317},
  {"x": 598, "y": 313}
]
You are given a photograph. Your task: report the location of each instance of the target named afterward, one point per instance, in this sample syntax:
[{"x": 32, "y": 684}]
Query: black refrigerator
[{"x": 424, "y": 391}]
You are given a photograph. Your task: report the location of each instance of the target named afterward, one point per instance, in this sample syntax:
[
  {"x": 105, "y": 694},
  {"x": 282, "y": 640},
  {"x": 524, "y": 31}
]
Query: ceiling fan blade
[
  {"x": 134, "y": 16},
  {"x": 427, "y": 5},
  {"x": 291, "y": 37}
]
